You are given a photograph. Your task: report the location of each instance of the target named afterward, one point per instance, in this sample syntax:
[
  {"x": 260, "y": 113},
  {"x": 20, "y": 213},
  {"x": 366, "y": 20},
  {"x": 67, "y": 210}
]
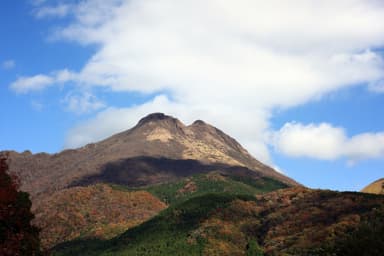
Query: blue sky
[{"x": 300, "y": 85}]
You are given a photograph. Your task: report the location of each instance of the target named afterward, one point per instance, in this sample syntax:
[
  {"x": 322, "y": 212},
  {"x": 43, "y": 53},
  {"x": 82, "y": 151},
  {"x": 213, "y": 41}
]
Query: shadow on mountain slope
[{"x": 143, "y": 171}]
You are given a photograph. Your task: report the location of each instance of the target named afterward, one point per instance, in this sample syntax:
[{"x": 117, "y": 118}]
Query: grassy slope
[
  {"x": 213, "y": 182},
  {"x": 294, "y": 221}
]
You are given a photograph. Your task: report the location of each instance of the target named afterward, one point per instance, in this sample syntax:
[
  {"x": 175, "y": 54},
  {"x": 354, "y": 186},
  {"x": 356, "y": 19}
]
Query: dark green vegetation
[
  {"x": 169, "y": 233},
  {"x": 191, "y": 200},
  {"x": 17, "y": 235},
  {"x": 105, "y": 211},
  {"x": 366, "y": 239},
  {"x": 213, "y": 182},
  {"x": 293, "y": 221},
  {"x": 254, "y": 249}
]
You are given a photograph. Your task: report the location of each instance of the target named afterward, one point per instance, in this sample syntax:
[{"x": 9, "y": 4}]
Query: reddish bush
[{"x": 17, "y": 235}]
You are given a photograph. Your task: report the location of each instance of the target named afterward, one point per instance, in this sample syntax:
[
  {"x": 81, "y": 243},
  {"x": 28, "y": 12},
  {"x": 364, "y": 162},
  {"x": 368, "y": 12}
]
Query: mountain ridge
[{"x": 156, "y": 135}]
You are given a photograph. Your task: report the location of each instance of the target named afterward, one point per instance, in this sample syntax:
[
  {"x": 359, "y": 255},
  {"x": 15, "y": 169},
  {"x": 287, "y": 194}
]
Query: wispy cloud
[
  {"x": 326, "y": 142},
  {"x": 41, "y": 81},
  {"x": 33, "y": 83},
  {"x": 58, "y": 11},
  {"x": 37, "y": 2},
  {"x": 82, "y": 103},
  {"x": 8, "y": 64}
]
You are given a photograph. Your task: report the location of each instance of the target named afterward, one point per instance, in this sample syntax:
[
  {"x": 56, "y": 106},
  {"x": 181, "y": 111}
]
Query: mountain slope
[
  {"x": 155, "y": 136},
  {"x": 97, "y": 211},
  {"x": 293, "y": 221},
  {"x": 157, "y": 155},
  {"x": 104, "y": 211},
  {"x": 376, "y": 187},
  {"x": 213, "y": 182}
]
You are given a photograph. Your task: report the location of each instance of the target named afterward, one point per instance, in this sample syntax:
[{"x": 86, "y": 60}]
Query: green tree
[{"x": 253, "y": 249}]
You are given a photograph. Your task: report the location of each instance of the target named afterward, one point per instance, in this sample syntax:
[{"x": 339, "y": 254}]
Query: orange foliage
[
  {"x": 285, "y": 220},
  {"x": 96, "y": 211}
]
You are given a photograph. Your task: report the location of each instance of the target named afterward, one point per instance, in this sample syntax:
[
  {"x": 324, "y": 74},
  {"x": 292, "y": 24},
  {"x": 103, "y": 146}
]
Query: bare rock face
[
  {"x": 156, "y": 136},
  {"x": 376, "y": 187}
]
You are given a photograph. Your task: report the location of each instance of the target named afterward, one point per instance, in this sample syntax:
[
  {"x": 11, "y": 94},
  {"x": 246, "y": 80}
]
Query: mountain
[
  {"x": 159, "y": 148},
  {"x": 103, "y": 211},
  {"x": 165, "y": 188},
  {"x": 160, "y": 161},
  {"x": 293, "y": 221},
  {"x": 376, "y": 187}
]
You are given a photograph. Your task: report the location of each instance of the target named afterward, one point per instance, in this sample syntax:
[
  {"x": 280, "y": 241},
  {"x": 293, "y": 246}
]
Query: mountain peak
[
  {"x": 156, "y": 135},
  {"x": 155, "y": 117},
  {"x": 199, "y": 122}
]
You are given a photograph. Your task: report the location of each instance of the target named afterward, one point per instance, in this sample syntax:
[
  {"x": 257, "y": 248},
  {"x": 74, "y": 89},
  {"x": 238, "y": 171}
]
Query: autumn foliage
[
  {"x": 96, "y": 211},
  {"x": 17, "y": 235},
  {"x": 293, "y": 221}
]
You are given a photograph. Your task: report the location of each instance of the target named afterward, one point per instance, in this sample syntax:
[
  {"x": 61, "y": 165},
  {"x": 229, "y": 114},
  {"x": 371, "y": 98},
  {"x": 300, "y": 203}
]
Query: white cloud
[
  {"x": 326, "y": 142},
  {"x": 65, "y": 75},
  {"x": 33, "y": 83},
  {"x": 40, "y": 82},
  {"x": 366, "y": 145},
  {"x": 8, "y": 64},
  {"x": 321, "y": 141},
  {"x": 82, "y": 103},
  {"x": 58, "y": 11},
  {"x": 228, "y": 62},
  {"x": 240, "y": 48}
]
